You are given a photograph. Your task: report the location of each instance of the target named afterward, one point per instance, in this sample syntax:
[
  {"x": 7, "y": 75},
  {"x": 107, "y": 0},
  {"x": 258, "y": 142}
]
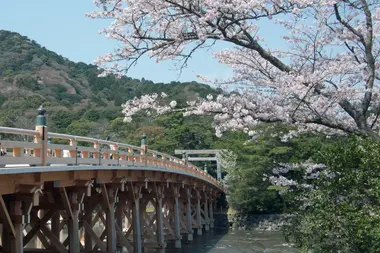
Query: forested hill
[
  {"x": 80, "y": 103},
  {"x": 31, "y": 75}
]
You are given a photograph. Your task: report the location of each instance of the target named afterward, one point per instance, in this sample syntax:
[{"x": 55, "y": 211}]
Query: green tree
[{"x": 340, "y": 213}]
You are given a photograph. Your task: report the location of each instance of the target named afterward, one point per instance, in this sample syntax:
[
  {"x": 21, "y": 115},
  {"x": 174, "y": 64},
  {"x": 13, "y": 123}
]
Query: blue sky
[{"x": 61, "y": 26}]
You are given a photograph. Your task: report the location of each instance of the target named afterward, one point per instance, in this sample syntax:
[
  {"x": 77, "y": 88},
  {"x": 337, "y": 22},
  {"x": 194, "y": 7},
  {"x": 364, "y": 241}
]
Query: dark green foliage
[
  {"x": 247, "y": 192},
  {"x": 36, "y": 70},
  {"x": 344, "y": 215}
]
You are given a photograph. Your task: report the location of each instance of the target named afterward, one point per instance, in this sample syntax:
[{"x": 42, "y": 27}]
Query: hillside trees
[
  {"x": 325, "y": 79},
  {"x": 335, "y": 206}
]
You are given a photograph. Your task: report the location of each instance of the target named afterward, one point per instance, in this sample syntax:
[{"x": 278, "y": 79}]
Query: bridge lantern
[
  {"x": 42, "y": 138},
  {"x": 144, "y": 145}
]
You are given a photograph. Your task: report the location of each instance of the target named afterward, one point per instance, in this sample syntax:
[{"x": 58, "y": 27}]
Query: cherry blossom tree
[{"x": 325, "y": 78}]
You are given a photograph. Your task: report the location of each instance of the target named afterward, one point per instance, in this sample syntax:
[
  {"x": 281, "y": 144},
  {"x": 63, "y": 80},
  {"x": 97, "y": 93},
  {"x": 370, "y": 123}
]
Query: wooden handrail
[
  {"x": 20, "y": 131},
  {"x": 29, "y": 153}
]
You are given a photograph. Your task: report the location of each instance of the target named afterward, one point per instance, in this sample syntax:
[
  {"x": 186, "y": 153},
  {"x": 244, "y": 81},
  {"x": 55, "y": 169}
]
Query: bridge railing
[{"x": 79, "y": 150}]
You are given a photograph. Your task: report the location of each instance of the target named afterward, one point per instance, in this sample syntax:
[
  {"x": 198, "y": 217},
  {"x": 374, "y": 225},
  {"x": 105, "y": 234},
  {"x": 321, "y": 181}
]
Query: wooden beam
[
  {"x": 105, "y": 196},
  {"x": 55, "y": 242},
  {"x": 73, "y": 231},
  {"x": 36, "y": 225},
  {"x": 110, "y": 220},
  {"x": 43, "y": 240},
  {"x": 66, "y": 202},
  {"x": 198, "y": 213},
  {"x": 98, "y": 242},
  {"x": 177, "y": 225},
  {"x": 88, "y": 205},
  {"x": 189, "y": 217},
  {"x": 122, "y": 240},
  {"x": 6, "y": 218}
]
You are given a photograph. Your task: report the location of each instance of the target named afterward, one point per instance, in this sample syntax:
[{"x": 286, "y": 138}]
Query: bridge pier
[
  {"x": 119, "y": 226},
  {"x": 109, "y": 201},
  {"x": 198, "y": 210},
  {"x": 137, "y": 244},
  {"x": 88, "y": 208},
  {"x": 189, "y": 217},
  {"x": 177, "y": 224},
  {"x": 205, "y": 210},
  {"x": 211, "y": 211},
  {"x": 76, "y": 207},
  {"x": 159, "y": 191}
]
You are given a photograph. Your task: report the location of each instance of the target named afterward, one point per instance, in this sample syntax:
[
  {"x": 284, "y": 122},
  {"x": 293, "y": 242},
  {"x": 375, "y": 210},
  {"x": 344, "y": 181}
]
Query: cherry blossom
[{"x": 324, "y": 79}]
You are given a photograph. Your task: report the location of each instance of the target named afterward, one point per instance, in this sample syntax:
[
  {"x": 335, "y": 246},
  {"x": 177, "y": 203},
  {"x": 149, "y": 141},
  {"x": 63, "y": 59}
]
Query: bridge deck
[{"x": 88, "y": 195}]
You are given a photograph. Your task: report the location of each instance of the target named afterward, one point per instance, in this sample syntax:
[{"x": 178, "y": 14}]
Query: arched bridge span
[{"x": 70, "y": 194}]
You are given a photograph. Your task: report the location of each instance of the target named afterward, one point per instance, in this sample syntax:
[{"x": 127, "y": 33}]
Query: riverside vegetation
[{"x": 341, "y": 214}]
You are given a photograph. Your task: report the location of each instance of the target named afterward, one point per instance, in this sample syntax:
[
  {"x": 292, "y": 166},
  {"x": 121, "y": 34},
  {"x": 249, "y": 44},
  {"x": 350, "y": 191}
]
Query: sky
[{"x": 61, "y": 26}]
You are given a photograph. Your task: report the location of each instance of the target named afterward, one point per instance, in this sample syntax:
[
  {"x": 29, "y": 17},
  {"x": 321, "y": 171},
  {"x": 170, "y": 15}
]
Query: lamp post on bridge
[
  {"x": 144, "y": 145},
  {"x": 41, "y": 127}
]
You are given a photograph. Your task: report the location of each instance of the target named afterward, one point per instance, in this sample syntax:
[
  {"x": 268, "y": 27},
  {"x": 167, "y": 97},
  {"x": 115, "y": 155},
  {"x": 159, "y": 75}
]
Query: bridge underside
[{"x": 100, "y": 209}]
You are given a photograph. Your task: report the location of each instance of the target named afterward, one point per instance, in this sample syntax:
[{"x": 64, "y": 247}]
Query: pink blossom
[{"x": 325, "y": 78}]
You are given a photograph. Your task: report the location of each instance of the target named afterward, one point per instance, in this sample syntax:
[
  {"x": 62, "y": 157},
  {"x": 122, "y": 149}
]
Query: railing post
[
  {"x": 73, "y": 153},
  {"x": 144, "y": 149},
  {"x": 97, "y": 154},
  {"x": 41, "y": 127},
  {"x": 114, "y": 151}
]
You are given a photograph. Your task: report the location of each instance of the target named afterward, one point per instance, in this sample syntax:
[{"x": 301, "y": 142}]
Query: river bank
[
  {"x": 257, "y": 222},
  {"x": 233, "y": 241}
]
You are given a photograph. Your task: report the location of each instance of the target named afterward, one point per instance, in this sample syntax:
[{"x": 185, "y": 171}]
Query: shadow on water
[
  {"x": 230, "y": 241},
  {"x": 201, "y": 243}
]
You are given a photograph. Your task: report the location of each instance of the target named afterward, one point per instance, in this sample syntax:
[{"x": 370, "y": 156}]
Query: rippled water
[{"x": 233, "y": 242}]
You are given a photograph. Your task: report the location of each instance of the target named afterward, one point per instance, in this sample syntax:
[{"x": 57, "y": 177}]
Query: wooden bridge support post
[
  {"x": 109, "y": 197},
  {"x": 211, "y": 212},
  {"x": 205, "y": 207},
  {"x": 73, "y": 228},
  {"x": 12, "y": 235},
  {"x": 88, "y": 209},
  {"x": 137, "y": 244},
  {"x": 72, "y": 211},
  {"x": 177, "y": 224},
  {"x": 119, "y": 223},
  {"x": 19, "y": 227},
  {"x": 189, "y": 217},
  {"x": 55, "y": 225},
  {"x": 143, "y": 204},
  {"x": 159, "y": 216},
  {"x": 199, "y": 217}
]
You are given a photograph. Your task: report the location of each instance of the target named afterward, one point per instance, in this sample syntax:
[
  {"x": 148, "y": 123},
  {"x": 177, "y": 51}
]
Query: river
[{"x": 233, "y": 241}]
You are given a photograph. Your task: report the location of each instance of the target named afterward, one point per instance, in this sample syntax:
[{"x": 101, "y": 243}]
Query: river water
[{"x": 232, "y": 241}]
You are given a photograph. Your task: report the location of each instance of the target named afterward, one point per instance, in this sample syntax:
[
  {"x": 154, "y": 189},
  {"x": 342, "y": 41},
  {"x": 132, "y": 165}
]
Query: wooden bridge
[{"x": 91, "y": 195}]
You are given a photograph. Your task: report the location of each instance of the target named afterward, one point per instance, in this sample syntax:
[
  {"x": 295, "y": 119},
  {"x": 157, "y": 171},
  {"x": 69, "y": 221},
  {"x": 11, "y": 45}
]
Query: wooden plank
[
  {"x": 66, "y": 202},
  {"x": 43, "y": 240},
  {"x": 123, "y": 240},
  {"x": 98, "y": 242},
  {"x": 36, "y": 224},
  {"x": 54, "y": 240},
  {"x": 6, "y": 217},
  {"x": 106, "y": 197}
]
